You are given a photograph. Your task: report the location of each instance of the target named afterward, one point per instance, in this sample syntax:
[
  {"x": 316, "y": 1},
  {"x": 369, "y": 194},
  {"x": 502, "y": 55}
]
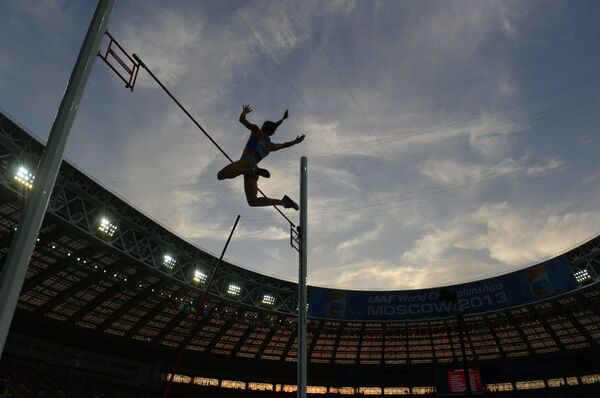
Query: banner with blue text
[{"x": 538, "y": 282}]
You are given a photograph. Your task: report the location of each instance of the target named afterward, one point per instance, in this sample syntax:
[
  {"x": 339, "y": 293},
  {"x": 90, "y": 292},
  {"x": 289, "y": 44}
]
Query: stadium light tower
[
  {"x": 234, "y": 290},
  {"x": 106, "y": 227},
  {"x": 24, "y": 177},
  {"x": 169, "y": 261},
  {"x": 582, "y": 276},
  {"x": 21, "y": 248},
  {"x": 268, "y": 299},
  {"x": 199, "y": 277}
]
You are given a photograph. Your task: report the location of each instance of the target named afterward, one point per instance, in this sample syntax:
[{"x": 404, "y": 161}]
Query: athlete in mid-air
[{"x": 258, "y": 146}]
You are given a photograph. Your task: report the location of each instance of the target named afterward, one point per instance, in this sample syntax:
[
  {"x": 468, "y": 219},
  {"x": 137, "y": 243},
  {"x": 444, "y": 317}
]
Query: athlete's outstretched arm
[
  {"x": 297, "y": 140},
  {"x": 285, "y": 116},
  {"x": 246, "y": 110}
]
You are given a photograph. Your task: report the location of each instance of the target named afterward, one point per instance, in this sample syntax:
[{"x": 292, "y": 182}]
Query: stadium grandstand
[{"x": 110, "y": 295}]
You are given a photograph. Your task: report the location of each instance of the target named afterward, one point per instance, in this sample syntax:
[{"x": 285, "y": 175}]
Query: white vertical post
[
  {"x": 21, "y": 248},
  {"x": 302, "y": 302}
]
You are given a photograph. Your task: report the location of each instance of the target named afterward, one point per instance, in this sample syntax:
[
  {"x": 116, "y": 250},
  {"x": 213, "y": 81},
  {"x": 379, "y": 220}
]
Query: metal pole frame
[
  {"x": 21, "y": 248},
  {"x": 302, "y": 300},
  {"x": 199, "y": 309},
  {"x": 461, "y": 329},
  {"x": 445, "y": 295}
]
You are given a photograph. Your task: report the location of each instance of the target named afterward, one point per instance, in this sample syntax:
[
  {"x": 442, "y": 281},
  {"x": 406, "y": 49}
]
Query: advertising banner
[{"x": 538, "y": 282}]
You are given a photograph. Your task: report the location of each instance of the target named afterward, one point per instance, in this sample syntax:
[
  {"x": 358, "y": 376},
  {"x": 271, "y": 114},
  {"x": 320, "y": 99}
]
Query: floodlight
[
  {"x": 268, "y": 299},
  {"x": 582, "y": 276},
  {"x": 234, "y": 290},
  {"x": 199, "y": 276},
  {"x": 169, "y": 262},
  {"x": 24, "y": 177},
  {"x": 106, "y": 227}
]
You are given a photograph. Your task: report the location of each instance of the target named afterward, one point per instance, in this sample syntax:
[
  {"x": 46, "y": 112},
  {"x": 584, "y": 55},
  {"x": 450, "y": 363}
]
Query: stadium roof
[{"x": 120, "y": 285}]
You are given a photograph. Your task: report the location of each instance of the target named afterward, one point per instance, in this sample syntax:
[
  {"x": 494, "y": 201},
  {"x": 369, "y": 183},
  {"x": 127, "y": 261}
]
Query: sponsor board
[{"x": 516, "y": 288}]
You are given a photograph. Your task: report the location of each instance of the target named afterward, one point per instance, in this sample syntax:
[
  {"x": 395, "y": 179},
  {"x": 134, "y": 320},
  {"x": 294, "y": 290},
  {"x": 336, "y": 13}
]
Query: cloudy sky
[{"x": 447, "y": 140}]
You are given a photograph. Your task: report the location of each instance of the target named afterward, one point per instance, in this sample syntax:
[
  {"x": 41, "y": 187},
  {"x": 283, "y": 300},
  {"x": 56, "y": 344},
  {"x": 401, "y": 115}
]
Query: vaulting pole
[
  {"x": 302, "y": 301},
  {"x": 199, "y": 309},
  {"x": 21, "y": 248}
]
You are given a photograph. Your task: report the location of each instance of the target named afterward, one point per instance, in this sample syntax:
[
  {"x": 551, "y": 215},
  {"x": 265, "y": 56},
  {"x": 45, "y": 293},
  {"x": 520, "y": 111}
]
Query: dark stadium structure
[{"x": 110, "y": 294}]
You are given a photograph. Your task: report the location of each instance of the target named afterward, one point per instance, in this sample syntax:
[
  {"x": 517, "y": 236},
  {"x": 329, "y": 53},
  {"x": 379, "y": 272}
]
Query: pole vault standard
[
  {"x": 302, "y": 301},
  {"x": 21, "y": 248}
]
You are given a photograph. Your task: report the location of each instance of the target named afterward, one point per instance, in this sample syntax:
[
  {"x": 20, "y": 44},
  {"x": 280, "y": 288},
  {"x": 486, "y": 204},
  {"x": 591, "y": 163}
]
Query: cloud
[
  {"x": 491, "y": 137},
  {"x": 496, "y": 238},
  {"x": 350, "y": 245},
  {"x": 450, "y": 171},
  {"x": 164, "y": 41},
  {"x": 346, "y": 7},
  {"x": 506, "y": 86},
  {"x": 544, "y": 167},
  {"x": 277, "y": 33},
  {"x": 512, "y": 236},
  {"x": 41, "y": 11},
  {"x": 4, "y": 61},
  {"x": 456, "y": 30},
  {"x": 380, "y": 275}
]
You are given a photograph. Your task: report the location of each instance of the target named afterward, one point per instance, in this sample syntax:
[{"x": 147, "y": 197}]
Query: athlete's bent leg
[
  {"x": 251, "y": 190},
  {"x": 235, "y": 169}
]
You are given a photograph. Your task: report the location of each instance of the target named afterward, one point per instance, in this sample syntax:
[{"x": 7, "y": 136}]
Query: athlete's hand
[
  {"x": 285, "y": 115},
  {"x": 299, "y": 139},
  {"x": 246, "y": 109}
]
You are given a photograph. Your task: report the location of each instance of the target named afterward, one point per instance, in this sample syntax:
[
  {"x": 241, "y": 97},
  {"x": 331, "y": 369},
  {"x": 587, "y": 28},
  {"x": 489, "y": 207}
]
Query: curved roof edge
[{"x": 550, "y": 277}]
